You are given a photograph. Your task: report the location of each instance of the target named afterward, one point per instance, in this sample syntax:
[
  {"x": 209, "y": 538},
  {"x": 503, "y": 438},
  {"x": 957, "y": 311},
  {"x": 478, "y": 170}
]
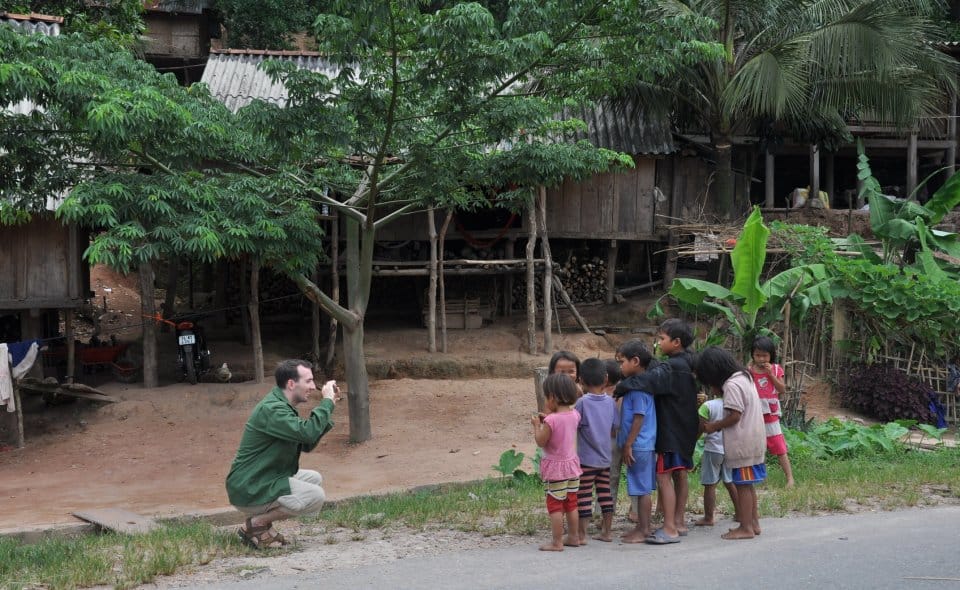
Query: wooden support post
[
  {"x": 814, "y": 192},
  {"x": 768, "y": 179},
  {"x": 540, "y": 207},
  {"x": 443, "y": 287},
  {"x": 951, "y": 155},
  {"x": 73, "y": 263},
  {"x": 829, "y": 178},
  {"x": 71, "y": 345},
  {"x": 148, "y": 309},
  {"x": 20, "y": 441},
  {"x": 569, "y": 303},
  {"x": 611, "y": 271},
  {"x": 670, "y": 266},
  {"x": 912, "y": 166},
  {"x": 531, "y": 278},
  {"x": 509, "y": 254}
]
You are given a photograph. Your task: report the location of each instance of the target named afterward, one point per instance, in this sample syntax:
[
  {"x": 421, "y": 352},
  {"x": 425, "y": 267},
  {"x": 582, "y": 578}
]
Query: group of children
[{"x": 647, "y": 416}]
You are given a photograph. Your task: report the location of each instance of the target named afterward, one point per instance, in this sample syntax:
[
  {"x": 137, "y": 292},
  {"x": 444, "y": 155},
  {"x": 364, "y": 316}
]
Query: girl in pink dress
[
  {"x": 768, "y": 376},
  {"x": 556, "y": 433}
]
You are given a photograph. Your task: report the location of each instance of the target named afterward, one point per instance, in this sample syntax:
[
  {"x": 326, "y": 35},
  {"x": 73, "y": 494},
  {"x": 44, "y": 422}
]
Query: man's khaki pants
[{"x": 306, "y": 496}]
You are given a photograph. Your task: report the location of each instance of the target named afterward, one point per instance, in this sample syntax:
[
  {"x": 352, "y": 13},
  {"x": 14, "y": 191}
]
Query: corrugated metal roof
[
  {"x": 41, "y": 24},
  {"x": 235, "y": 78},
  {"x": 628, "y": 130}
]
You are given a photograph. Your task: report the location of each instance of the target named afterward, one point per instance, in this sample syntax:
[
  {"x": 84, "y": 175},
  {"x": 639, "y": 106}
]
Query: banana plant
[
  {"x": 750, "y": 308},
  {"x": 905, "y": 226}
]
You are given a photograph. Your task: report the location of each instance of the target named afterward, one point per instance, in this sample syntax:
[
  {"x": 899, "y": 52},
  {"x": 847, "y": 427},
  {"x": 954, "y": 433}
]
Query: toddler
[
  {"x": 598, "y": 417},
  {"x": 768, "y": 378},
  {"x": 556, "y": 433}
]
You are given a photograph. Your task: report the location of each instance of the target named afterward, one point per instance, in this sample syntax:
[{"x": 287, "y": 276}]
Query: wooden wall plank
[{"x": 589, "y": 207}]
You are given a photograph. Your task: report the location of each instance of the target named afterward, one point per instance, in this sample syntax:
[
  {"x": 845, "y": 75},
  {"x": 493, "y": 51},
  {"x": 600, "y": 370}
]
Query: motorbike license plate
[{"x": 187, "y": 339}]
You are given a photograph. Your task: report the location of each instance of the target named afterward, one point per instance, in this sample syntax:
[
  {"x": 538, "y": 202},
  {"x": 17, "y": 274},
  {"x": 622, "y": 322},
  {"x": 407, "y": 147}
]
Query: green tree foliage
[
  {"x": 803, "y": 68},
  {"x": 119, "y": 19},
  {"x": 425, "y": 109},
  {"x": 271, "y": 24}
]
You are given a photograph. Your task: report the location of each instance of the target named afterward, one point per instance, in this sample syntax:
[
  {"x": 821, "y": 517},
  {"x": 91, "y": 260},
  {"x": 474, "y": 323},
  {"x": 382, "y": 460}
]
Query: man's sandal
[{"x": 260, "y": 537}]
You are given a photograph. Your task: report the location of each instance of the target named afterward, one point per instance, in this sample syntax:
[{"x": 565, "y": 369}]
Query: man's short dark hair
[
  {"x": 287, "y": 370},
  {"x": 593, "y": 372}
]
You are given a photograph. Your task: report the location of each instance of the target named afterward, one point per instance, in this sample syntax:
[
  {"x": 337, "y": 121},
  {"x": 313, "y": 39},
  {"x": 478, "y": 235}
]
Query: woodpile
[{"x": 584, "y": 279}]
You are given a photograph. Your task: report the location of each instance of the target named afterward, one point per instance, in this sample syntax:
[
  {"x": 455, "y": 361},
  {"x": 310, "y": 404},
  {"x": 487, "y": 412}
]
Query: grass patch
[
  {"x": 886, "y": 481},
  {"x": 122, "y": 561}
]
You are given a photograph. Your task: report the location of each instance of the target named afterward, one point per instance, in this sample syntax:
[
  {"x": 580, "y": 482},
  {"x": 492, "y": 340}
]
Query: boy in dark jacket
[{"x": 674, "y": 393}]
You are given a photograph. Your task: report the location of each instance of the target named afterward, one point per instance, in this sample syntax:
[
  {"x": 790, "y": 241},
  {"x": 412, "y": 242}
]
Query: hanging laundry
[
  {"x": 14, "y": 365},
  {"x": 6, "y": 380}
]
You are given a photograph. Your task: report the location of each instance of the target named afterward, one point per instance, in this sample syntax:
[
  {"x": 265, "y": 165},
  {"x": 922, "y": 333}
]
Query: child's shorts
[
  {"x": 777, "y": 445},
  {"x": 642, "y": 475},
  {"x": 745, "y": 476},
  {"x": 671, "y": 461},
  {"x": 711, "y": 468},
  {"x": 562, "y": 495}
]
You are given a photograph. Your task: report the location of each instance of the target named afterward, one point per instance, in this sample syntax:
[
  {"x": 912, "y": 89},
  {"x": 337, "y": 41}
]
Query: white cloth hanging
[{"x": 6, "y": 380}]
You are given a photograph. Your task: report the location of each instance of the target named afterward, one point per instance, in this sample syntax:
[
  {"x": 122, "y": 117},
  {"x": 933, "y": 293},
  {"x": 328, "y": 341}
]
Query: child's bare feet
[
  {"x": 632, "y": 516},
  {"x": 571, "y": 542},
  {"x": 551, "y": 547},
  {"x": 737, "y": 533},
  {"x": 605, "y": 537},
  {"x": 632, "y": 537},
  {"x": 704, "y": 522},
  {"x": 582, "y": 540},
  {"x": 790, "y": 483}
]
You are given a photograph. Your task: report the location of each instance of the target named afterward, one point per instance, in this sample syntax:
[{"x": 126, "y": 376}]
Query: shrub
[{"x": 885, "y": 393}]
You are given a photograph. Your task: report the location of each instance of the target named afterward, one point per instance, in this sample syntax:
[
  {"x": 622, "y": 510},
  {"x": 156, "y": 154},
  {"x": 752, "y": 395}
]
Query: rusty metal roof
[{"x": 235, "y": 78}]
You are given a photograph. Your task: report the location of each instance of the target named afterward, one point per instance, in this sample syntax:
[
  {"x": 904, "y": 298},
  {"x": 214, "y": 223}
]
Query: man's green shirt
[{"x": 269, "y": 452}]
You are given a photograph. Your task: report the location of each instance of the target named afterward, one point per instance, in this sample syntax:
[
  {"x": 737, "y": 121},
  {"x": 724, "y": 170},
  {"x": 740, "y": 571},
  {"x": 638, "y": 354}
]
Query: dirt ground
[{"x": 167, "y": 450}]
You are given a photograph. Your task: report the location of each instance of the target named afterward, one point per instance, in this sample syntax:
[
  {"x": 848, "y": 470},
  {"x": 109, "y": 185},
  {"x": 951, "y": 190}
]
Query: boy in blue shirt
[
  {"x": 637, "y": 437},
  {"x": 598, "y": 418}
]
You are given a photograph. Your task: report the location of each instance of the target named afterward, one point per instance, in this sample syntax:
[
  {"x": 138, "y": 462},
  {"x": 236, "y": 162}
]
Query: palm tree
[{"x": 804, "y": 66}]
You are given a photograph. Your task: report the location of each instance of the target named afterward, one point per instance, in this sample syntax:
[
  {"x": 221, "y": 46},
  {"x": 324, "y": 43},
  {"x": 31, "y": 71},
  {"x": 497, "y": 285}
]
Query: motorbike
[{"x": 193, "y": 356}]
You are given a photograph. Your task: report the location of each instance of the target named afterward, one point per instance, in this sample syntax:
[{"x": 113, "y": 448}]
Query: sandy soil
[{"x": 167, "y": 450}]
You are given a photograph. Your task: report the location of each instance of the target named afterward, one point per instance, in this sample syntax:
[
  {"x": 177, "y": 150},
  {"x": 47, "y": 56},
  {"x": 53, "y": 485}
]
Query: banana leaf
[{"x": 747, "y": 260}]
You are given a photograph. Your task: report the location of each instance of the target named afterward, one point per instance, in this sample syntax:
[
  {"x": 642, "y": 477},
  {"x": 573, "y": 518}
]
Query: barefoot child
[
  {"x": 556, "y": 433},
  {"x": 637, "y": 437},
  {"x": 744, "y": 439},
  {"x": 598, "y": 418},
  {"x": 675, "y": 394},
  {"x": 768, "y": 378},
  {"x": 711, "y": 464}
]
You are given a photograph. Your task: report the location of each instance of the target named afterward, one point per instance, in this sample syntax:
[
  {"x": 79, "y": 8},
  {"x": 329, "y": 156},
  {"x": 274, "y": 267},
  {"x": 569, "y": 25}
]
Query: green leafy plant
[
  {"x": 749, "y": 307},
  {"x": 843, "y": 439},
  {"x": 510, "y": 461}
]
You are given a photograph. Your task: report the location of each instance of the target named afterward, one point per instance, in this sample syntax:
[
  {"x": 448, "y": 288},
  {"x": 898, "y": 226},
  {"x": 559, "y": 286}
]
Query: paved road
[{"x": 904, "y": 549}]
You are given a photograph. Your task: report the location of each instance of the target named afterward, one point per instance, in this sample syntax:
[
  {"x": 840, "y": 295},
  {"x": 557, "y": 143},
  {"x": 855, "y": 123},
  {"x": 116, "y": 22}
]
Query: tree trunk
[
  {"x": 244, "y": 301},
  {"x": 443, "y": 284},
  {"x": 148, "y": 309},
  {"x": 254, "y": 310},
  {"x": 723, "y": 187},
  {"x": 531, "y": 278},
  {"x": 432, "y": 290},
  {"x": 359, "y": 276},
  {"x": 359, "y": 392},
  {"x": 334, "y": 291},
  {"x": 170, "y": 296},
  {"x": 540, "y": 206},
  {"x": 315, "y": 323}
]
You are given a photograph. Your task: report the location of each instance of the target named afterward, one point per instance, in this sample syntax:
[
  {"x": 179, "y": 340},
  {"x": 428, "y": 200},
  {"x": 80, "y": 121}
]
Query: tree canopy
[
  {"x": 803, "y": 68},
  {"x": 426, "y": 108}
]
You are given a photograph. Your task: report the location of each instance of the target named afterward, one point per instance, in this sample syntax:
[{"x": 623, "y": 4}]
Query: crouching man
[{"x": 265, "y": 481}]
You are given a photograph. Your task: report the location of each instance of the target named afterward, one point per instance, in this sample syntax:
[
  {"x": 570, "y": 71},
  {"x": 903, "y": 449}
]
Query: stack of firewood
[{"x": 584, "y": 279}]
